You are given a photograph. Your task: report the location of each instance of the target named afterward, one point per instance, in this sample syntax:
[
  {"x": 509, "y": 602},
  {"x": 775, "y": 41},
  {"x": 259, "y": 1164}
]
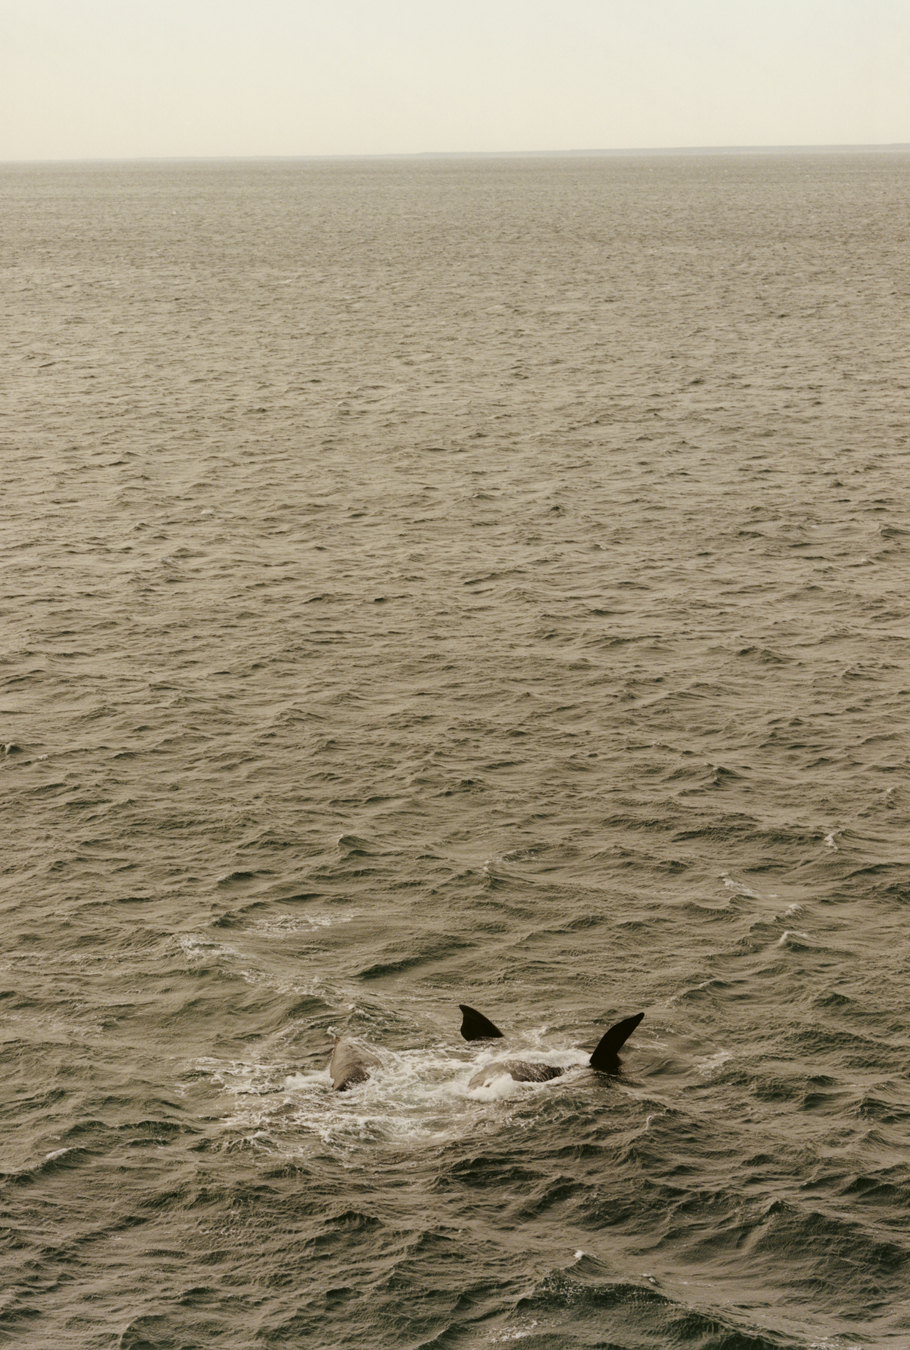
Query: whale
[
  {"x": 350, "y": 1064},
  {"x": 604, "y": 1058}
]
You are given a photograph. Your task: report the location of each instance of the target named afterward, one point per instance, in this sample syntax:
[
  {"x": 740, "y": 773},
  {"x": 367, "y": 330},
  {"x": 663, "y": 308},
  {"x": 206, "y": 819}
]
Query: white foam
[
  {"x": 786, "y": 938},
  {"x": 196, "y": 948},
  {"x": 711, "y": 1063},
  {"x": 512, "y": 1333},
  {"x": 289, "y": 923},
  {"x": 413, "y": 1097},
  {"x": 498, "y": 1088},
  {"x": 740, "y": 888}
]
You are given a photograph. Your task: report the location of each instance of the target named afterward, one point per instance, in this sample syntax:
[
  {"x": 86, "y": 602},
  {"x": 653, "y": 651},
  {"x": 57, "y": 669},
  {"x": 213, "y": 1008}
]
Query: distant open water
[{"x": 455, "y": 581}]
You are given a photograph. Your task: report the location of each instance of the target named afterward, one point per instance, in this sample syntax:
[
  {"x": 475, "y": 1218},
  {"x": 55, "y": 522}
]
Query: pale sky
[{"x": 88, "y": 79}]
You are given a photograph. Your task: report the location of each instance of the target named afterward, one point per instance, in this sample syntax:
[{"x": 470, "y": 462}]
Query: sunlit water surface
[{"x": 456, "y": 581}]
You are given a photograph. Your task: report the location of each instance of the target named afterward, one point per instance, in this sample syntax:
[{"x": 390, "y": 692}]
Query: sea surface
[{"x": 438, "y": 581}]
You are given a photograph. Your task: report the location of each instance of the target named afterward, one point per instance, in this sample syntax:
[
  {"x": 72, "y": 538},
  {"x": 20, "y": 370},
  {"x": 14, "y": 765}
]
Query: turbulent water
[{"x": 439, "y": 581}]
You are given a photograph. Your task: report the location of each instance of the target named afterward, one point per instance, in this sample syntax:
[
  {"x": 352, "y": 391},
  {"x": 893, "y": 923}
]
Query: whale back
[
  {"x": 521, "y": 1070},
  {"x": 350, "y": 1064}
]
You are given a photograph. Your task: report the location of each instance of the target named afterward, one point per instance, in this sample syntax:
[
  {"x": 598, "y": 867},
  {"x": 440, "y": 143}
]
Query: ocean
[{"x": 438, "y": 581}]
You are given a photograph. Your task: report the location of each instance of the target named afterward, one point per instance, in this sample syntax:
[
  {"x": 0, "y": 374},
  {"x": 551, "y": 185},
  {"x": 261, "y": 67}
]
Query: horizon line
[{"x": 592, "y": 153}]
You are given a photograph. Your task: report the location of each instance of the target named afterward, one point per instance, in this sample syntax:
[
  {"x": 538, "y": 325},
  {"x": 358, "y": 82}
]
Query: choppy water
[{"x": 456, "y": 581}]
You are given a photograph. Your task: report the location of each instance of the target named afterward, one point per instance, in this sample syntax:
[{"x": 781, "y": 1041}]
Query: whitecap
[
  {"x": 291, "y": 923},
  {"x": 504, "y": 1334},
  {"x": 787, "y": 937},
  {"x": 711, "y": 1063},
  {"x": 740, "y": 888}
]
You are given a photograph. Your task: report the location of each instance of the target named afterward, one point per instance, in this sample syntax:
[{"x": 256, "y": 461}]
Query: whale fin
[
  {"x": 476, "y": 1027},
  {"x": 606, "y": 1056}
]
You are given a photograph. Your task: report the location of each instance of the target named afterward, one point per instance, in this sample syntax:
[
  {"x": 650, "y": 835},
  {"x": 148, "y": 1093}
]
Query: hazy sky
[{"x": 129, "y": 78}]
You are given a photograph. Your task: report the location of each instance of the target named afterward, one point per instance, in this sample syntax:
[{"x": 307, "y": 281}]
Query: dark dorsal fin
[
  {"x": 606, "y": 1056},
  {"x": 476, "y": 1027}
]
